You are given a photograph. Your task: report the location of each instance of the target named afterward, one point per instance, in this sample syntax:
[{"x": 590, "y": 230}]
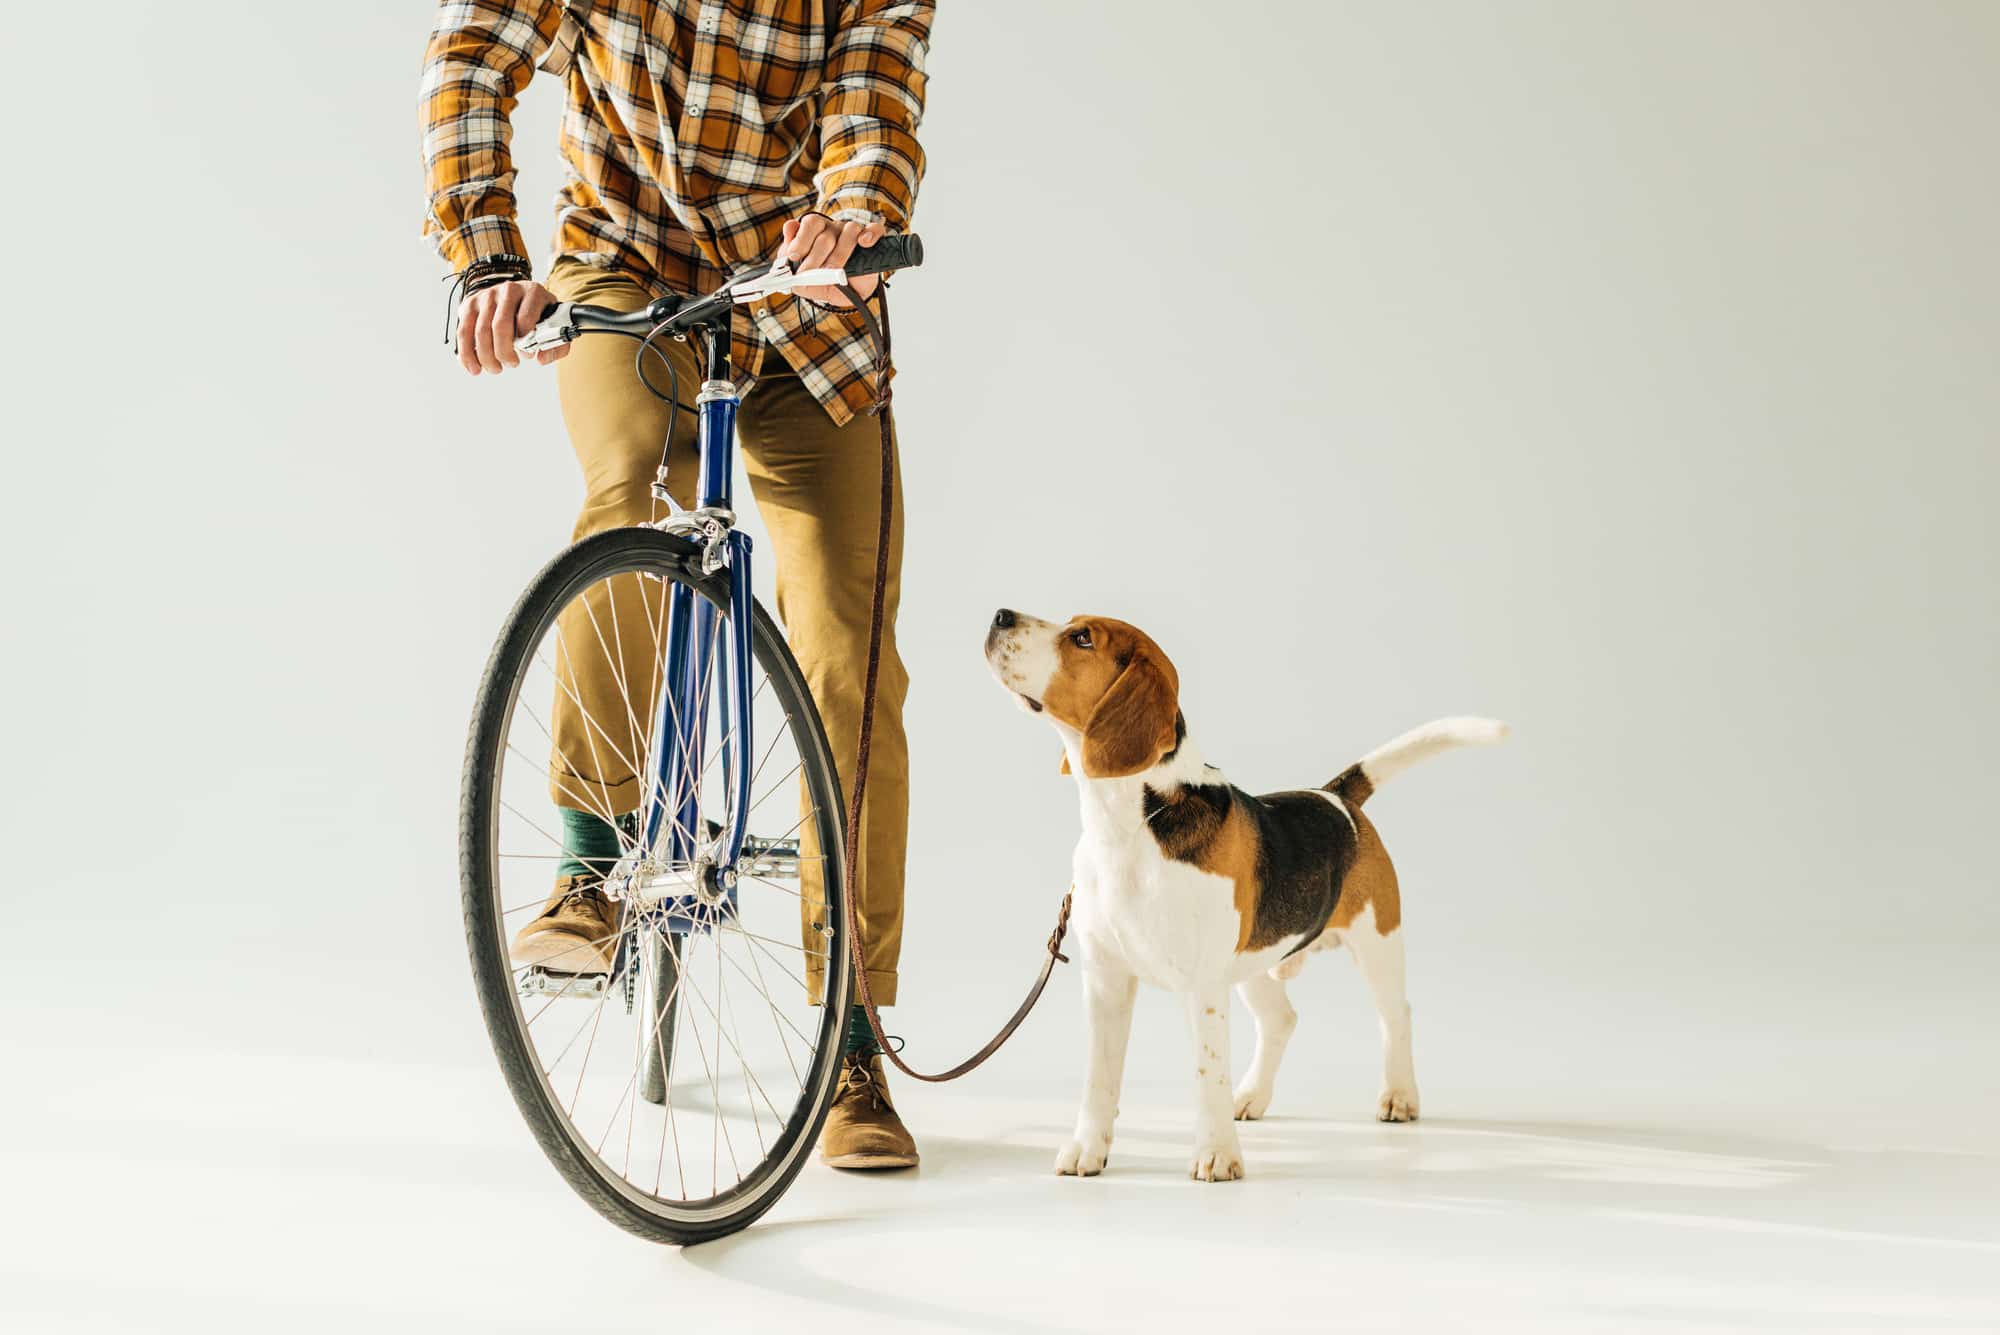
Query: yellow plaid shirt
[{"x": 693, "y": 130}]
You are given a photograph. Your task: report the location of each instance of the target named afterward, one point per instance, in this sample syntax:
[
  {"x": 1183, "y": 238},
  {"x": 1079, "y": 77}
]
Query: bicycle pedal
[
  {"x": 773, "y": 859},
  {"x": 540, "y": 982}
]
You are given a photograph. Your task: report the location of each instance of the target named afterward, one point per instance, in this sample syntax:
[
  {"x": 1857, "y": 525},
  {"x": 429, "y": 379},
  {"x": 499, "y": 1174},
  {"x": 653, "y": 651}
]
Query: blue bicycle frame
[
  {"x": 673, "y": 832},
  {"x": 673, "y": 802}
]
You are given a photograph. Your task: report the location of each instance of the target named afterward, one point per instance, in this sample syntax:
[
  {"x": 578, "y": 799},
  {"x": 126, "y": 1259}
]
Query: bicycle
[{"x": 695, "y": 886}]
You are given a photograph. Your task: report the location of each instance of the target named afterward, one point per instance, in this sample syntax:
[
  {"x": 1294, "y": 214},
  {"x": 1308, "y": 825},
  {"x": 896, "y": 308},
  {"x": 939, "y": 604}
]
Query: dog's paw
[
  {"x": 1075, "y": 1160},
  {"x": 1397, "y": 1105},
  {"x": 1217, "y": 1159},
  {"x": 1252, "y": 1101}
]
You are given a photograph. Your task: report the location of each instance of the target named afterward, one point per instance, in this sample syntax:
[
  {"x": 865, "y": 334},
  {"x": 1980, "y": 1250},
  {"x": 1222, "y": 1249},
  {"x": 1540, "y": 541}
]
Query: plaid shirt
[{"x": 694, "y": 129}]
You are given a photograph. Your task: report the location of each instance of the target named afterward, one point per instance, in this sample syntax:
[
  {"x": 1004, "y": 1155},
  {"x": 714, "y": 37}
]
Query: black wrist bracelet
[
  {"x": 495, "y": 269},
  {"x": 482, "y": 274}
]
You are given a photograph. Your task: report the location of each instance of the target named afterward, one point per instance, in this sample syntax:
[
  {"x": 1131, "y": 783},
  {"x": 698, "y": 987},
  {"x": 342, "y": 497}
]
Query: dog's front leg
[
  {"x": 1108, "y": 990},
  {"x": 1218, "y": 1155}
]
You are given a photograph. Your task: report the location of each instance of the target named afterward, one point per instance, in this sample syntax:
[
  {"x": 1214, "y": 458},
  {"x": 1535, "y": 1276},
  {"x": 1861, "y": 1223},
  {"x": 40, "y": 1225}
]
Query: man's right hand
[{"x": 493, "y": 317}]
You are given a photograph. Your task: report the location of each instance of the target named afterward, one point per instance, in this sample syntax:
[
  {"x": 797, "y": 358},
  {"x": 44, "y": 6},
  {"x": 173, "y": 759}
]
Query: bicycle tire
[{"x": 649, "y": 552}]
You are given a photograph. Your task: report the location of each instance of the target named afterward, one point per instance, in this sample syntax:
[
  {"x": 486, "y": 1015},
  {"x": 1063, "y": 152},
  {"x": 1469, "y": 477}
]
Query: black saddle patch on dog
[
  {"x": 1307, "y": 848},
  {"x": 1296, "y": 848}
]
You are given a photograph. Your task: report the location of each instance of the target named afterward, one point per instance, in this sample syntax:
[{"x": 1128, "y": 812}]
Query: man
[{"x": 701, "y": 136}]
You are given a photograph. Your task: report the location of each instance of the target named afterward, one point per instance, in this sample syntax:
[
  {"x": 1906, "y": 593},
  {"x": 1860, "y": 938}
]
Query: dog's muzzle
[{"x": 1002, "y": 644}]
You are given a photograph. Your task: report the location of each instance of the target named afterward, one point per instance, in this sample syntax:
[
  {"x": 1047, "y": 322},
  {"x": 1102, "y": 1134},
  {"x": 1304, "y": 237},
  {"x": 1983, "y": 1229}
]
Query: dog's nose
[{"x": 1003, "y": 619}]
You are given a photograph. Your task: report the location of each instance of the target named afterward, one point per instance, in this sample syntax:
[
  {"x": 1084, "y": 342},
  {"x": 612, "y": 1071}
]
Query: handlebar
[
  {"x": 566, "y": 321},
  {"x": 903, "y": 251}
]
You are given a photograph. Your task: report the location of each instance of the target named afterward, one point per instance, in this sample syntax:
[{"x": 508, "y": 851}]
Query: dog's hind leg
[
  {"x": 1380, "y": 958},
  {"x": 1265, "y": 996},
  {"x": 1108, "y": 991}
]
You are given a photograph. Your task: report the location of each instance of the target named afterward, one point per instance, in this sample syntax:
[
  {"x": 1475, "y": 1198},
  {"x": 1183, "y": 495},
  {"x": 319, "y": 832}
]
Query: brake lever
[
  {"x": 780, "y": 278},
  {"x": 553, "y": 330}
]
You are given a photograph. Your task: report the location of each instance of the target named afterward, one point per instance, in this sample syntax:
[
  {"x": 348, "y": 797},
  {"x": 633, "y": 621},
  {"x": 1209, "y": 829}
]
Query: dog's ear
[
  {"x": 1133, "y": 725},
  {"x": 1064, "y": 768}
]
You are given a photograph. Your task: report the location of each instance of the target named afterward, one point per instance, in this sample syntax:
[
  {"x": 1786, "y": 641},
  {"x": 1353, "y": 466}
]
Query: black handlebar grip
[{"x": 905, "y": 251}]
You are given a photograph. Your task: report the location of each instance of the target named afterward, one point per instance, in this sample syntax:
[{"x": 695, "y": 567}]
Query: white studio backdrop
[{"x": 1624, "y": 371}]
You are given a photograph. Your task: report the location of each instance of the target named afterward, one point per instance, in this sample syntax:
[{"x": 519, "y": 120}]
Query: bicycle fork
[{"x": 674, "y": 831}]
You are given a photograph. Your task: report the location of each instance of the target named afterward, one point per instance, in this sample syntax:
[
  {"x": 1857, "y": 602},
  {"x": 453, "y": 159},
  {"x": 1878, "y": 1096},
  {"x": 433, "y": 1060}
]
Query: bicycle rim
[{"x": 681, "y": 1089}]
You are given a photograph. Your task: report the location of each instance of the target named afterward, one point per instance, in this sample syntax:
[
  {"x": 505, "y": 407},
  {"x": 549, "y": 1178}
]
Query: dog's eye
[{"x": 1081, "y": 638}]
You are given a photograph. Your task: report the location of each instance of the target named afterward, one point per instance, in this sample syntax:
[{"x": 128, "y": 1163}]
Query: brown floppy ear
[
  {"x": 1065, "y": 762},
  {"x": 1133, "y": 725}
]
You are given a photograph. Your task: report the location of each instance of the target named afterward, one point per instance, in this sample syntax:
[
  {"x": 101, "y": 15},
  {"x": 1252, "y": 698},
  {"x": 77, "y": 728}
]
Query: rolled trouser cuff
[
  {"x": 881, "y": 985},
  {"x": 570, "y": 789}
]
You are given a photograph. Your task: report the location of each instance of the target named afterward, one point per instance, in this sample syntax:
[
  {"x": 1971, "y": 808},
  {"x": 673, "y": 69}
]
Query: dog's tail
[{"x": 1358, "y": 782}]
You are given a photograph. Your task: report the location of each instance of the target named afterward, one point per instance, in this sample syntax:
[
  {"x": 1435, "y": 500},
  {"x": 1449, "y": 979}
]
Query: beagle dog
[{"x": 1192, "y": 885}]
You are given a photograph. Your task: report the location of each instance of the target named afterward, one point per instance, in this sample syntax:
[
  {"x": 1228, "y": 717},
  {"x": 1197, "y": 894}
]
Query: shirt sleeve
[
  {"x": 481, "y": 54},
  {"x": 870, "y": 161}
]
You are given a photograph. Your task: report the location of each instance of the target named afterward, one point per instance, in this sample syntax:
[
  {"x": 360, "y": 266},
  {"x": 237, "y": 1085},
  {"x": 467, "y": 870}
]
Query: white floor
[{"x": 1655, "y": 1141}]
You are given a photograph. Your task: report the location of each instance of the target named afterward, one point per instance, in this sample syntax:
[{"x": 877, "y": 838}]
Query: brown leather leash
[{"x": 878, "y": 331}]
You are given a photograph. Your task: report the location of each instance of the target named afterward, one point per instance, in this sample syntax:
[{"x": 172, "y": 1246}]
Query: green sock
[
  {"x": 860, "y": 1038},
  {"x": 590, "y": 844}
]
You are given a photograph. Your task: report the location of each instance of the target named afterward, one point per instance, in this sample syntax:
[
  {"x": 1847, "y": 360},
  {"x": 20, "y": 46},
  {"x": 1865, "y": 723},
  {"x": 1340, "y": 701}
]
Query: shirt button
[{"x": 694, "y": 110}]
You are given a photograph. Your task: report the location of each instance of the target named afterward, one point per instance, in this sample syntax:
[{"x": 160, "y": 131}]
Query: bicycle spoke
[
  {"x": 774, "y": 941},
  {"x": 715, "y": 1085},
  {"x": 777, "y": 1017},
  {"x": 530, "y": 823},
  {"x": 631, "y": 1084},
  {"x": 781, "y": 889},
  {"x": 625, "y": 842},
  {"x": 572, "y": 689},
  {"x": 615, "y": 661},
  {"x": 717, "y": 1129},
  {"x": 583, "y": 802},
  {"x": 624, "y": 1055},
  {"x": 759, "y": 984},
  {"x": 797, "y": 825},
  {"x": 764, "y": 759},
  {"x": 736, "y": 1045},
  {"x": 777, "y": 963},
  {"x": 589, "y": 720}
]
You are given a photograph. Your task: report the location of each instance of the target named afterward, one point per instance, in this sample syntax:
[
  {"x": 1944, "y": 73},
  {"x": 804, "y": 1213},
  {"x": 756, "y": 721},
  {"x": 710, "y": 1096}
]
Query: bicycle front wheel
[{"x": 680, "y": 1087}]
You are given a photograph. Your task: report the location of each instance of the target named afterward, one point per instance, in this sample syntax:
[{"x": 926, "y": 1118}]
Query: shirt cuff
[
  {"x": 863, "y": 201},
  {"x": 481, "y": 238},
  {"x": 854, "y": 213}
]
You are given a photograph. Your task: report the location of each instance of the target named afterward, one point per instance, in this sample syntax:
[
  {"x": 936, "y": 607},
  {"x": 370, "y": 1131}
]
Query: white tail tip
[
  {"x": 1478, "y": 731},
  {"x": 1386, "y": 762}
]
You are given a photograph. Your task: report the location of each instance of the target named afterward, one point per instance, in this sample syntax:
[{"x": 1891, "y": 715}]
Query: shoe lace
[
  {"x": 588, "y": 895},
  {"x": 860, "y": 1080}
]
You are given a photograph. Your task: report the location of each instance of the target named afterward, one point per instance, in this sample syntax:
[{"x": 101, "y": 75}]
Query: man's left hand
[{"x": 818, "y": 242}]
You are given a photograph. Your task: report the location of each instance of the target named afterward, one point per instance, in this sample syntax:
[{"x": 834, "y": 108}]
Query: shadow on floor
[{"x": 1319, "y": 1182}]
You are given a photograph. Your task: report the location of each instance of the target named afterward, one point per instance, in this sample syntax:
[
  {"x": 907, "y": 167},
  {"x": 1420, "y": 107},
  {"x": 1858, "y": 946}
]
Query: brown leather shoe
[
  {"x": 863, "y": 1130},
  {"x": 576, "y": 933}
]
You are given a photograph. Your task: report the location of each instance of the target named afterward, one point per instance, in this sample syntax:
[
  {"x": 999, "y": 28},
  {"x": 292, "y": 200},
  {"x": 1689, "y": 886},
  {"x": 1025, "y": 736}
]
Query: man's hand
[
  {"x": 493, "y": 317},
  {"x": 817, "y": 242}
]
